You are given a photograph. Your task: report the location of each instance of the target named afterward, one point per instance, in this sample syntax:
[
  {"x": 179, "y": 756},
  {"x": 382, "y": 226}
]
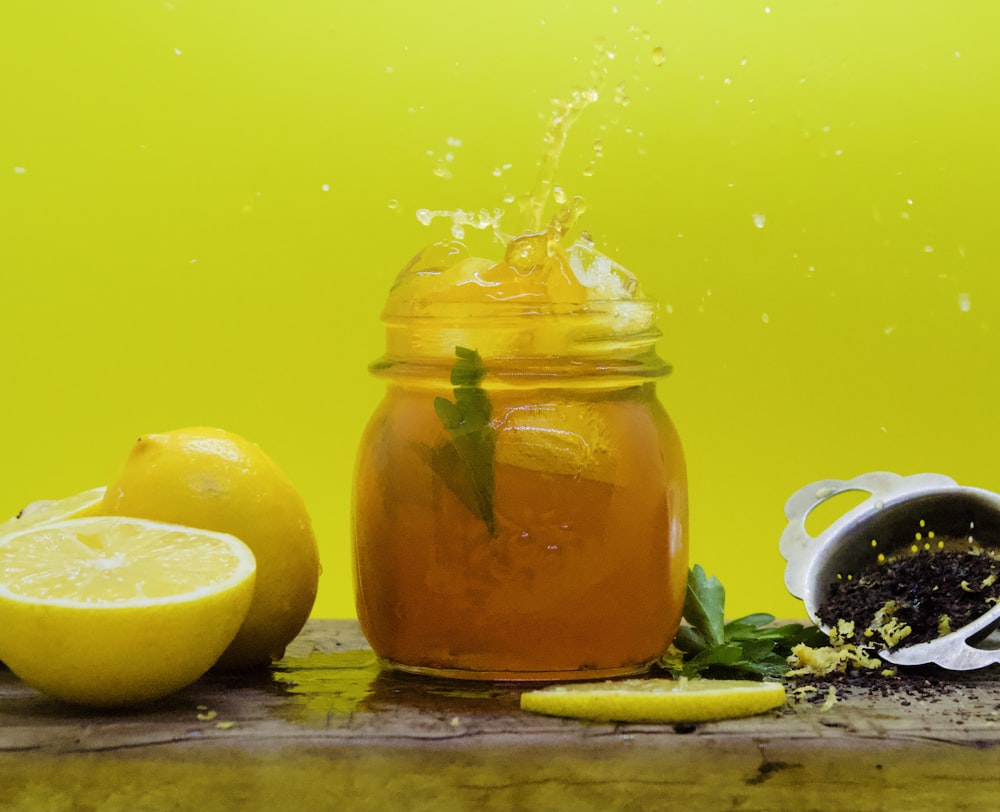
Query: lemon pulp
[{"x": 86, "y": 503}]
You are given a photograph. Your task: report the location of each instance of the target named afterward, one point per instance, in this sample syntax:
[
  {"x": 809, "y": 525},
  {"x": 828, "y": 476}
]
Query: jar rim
[{"x": 532, "y": 370}]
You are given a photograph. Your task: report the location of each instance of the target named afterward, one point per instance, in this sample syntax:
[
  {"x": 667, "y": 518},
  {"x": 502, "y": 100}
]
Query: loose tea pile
[
  {"x": 908, "y": 686},
  {"x": 915, "y": 598}
]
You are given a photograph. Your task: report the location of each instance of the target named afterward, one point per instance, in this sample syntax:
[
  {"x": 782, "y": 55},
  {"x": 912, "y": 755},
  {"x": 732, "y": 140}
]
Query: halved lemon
[
  {"x": 111, "y": 610},
  {"x": 86, "y": 503},
  {"x": 657, "y": 700}
]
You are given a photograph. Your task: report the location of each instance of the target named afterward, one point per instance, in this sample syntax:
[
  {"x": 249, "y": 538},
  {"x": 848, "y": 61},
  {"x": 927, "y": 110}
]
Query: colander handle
[{"x": 798, "y": 547}]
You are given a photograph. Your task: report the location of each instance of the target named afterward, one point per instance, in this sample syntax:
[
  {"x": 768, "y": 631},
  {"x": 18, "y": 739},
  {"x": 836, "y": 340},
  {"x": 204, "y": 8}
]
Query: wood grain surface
[{"x": 327, "y": 728}]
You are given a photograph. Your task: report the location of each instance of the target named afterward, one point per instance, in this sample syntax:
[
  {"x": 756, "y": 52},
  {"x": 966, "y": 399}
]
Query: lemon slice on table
[
  {"x": 86, "y": 503},
  {"x": 657, "y": 700},
  {"x": 110, "y": 610}
]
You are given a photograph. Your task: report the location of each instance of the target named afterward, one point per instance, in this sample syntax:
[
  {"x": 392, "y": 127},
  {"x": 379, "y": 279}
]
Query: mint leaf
[
  {"x": 755, "y": 650},
  {"x": 754, "y": 621},
  {"x": 703, "y": 606},
  {"x": 688, "y": 641},
  {"x": 748, "y": 647},
  {"x": 726, "y": 655},
  {"x": 465, "y": 462}
]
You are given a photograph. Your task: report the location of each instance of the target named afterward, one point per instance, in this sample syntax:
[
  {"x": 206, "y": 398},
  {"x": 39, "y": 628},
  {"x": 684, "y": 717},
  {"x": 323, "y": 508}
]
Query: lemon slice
[
  {"x": 558, "y": 437},
  {"x": 110, "y": 610},
  {"x": 657, "y": 700},
  {"x": 87, "y": 503}
]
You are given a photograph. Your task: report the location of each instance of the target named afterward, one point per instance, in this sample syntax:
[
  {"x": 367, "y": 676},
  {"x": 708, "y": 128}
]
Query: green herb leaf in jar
[{"x": 465, "y": 463}]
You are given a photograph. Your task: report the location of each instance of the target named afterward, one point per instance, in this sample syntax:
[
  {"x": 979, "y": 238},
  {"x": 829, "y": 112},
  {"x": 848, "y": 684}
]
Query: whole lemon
[{"x": 213, "y": 479}]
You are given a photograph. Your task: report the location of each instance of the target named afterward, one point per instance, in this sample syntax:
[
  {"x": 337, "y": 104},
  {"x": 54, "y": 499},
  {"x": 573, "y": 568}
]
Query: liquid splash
[
  {"x": 533, "y": 206},
  {"x": 545, "y": 256},
  {"x": 460, "y": 219}
]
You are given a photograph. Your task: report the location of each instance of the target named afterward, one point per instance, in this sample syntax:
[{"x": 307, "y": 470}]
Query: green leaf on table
[
  {"x": 703, "y": 606},
  {"x": 747, "y": 647}
]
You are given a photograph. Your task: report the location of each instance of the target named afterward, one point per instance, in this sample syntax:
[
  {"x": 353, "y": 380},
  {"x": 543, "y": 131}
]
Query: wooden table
[{"x": 327, "y": 729}]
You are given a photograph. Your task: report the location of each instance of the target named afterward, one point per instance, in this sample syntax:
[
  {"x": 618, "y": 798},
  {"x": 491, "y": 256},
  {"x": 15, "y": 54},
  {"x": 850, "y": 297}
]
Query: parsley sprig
[
  {"x": 749, "y": 647},
  {"x": 465, "y": 461}
]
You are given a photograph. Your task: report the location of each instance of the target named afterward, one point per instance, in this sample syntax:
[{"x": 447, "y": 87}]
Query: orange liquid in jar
[{"x": 585, "y": 574}]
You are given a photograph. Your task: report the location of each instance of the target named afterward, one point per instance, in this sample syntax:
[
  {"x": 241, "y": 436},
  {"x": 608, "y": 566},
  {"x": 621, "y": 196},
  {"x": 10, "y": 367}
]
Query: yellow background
[{"x": 202, "y": 205}]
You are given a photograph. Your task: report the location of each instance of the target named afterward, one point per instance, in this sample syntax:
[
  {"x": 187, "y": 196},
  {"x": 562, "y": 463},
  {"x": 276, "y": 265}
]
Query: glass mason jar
[{"x": 520, "y": 505}]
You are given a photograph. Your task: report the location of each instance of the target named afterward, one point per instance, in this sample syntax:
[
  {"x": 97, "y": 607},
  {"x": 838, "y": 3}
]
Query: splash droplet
[
  {"x": 964, "y": 302},
  {"x": 638, "y": 33},
  {"x": 659, "y": 56},
  {"x": 759, "y": 220}
]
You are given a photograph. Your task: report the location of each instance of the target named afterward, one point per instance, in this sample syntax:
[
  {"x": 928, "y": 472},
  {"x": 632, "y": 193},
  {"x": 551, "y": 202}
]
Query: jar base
[{"x": 574, "y": 675}]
